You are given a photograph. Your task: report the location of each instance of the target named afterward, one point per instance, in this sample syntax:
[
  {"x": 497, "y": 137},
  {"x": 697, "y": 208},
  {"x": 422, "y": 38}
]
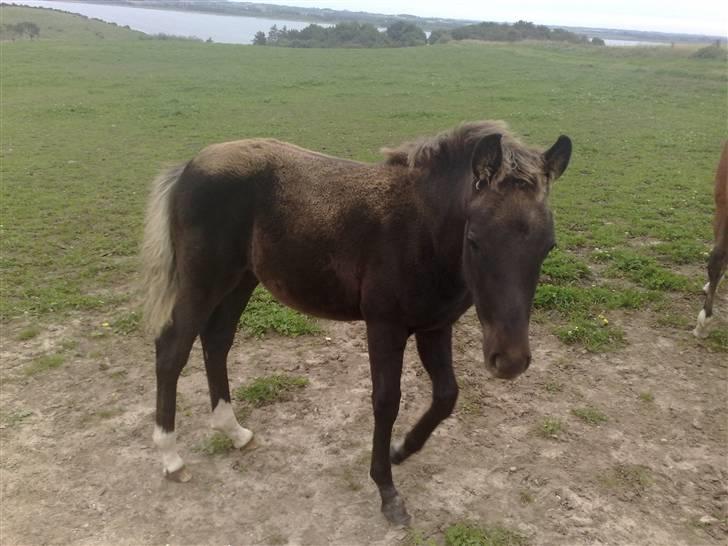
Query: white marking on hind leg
[
  {"x": 223, "y": 419},
  {"x": 172, "y": 464},
  {"x": 706, "y": 287},
  {"x": 701, "y": 328}
]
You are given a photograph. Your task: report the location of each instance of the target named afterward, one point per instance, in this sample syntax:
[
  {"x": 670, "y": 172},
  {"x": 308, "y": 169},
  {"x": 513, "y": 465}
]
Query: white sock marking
[
  {"x": 166, "y": 442},
  {"x": 706, "y": 287},
  {"x": 223, "y": 419},
  {"x": 701, "y": 328}
]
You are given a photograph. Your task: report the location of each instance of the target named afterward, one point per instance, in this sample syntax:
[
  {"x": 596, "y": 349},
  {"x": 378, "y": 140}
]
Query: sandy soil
[{"x": 78, "y": 464}]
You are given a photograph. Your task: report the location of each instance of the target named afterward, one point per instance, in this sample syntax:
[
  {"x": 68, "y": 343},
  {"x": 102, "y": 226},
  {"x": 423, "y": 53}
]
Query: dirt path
[{"x": 78, "y": 464}]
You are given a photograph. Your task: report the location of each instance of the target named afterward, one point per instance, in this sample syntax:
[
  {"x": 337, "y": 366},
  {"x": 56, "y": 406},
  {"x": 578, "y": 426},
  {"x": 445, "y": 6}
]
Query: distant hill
[{"x": 59, "y": 25}]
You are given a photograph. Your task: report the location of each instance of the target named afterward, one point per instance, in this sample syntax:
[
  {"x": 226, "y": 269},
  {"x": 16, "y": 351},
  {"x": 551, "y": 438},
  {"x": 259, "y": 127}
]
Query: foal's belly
[{"x": 308, "y": 278}]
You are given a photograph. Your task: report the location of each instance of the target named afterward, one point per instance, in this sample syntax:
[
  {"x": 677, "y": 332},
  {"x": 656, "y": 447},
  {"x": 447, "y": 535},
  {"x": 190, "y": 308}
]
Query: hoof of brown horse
[
  {"x": 181, "y": 475},
  {"x": 395, "y": 512}
]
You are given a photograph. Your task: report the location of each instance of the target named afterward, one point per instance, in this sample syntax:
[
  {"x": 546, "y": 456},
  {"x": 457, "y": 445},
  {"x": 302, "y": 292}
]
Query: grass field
[{"x": 89, "y": 113}]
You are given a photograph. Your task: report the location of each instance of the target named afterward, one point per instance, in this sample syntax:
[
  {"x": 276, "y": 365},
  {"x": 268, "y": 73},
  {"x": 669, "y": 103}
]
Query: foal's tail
[{"x": 159, "y": 273}]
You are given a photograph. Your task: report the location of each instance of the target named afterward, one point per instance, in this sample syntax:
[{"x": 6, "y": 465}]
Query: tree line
[
  {"x": 399, "y": 34},
  {"x": 404, "y": 34}
]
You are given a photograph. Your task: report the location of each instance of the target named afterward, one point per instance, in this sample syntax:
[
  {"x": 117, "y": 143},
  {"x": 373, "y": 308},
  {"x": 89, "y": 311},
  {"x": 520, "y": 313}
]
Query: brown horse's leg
[
  {"x": 716, "y": 269},
  {"x": 386, "y": 348},
  {"x": 435, "y": 350},
  {"x": 173, "y": 349},
  {"x": 217, "y": 338}
]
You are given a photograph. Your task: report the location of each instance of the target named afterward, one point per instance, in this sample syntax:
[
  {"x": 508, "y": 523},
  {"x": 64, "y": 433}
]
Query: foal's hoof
[
  {"x": 396, "y": 453},
  {"x": 181, "y": 475},
  {"x": 395, "y": 512},
  {"x": 242, "y": 438}
]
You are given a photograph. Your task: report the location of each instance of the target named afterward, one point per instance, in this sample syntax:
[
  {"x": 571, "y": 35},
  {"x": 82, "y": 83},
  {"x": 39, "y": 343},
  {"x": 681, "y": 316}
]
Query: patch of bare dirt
[{"x": 78, "y": 464}]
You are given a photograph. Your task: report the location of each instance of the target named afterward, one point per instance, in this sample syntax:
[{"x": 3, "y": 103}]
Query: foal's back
[{"x": 309, "y": 225}]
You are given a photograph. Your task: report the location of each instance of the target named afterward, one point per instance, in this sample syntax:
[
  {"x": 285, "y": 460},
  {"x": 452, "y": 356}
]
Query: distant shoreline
[{"x": 330, "y": 16}]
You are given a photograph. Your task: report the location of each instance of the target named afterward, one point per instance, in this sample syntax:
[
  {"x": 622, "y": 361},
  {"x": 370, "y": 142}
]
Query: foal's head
[{"x": 508, "y": 233}]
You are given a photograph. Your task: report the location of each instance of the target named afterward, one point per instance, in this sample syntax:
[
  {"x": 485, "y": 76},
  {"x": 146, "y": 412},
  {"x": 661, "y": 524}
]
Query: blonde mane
[{"x": 453, "y": 147}]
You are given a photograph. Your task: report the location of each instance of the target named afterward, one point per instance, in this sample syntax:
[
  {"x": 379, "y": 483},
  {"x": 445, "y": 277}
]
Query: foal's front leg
[
  {"x": 386, "y": 348},
  {"x": 435, "y": 350}
]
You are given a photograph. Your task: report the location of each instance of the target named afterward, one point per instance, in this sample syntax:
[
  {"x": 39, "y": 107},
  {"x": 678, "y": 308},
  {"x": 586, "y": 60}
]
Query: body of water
[
  {"x": 229, "y": 29},
  {"x": 625, "y": 43},
  {"x": 221, "y": 28}
]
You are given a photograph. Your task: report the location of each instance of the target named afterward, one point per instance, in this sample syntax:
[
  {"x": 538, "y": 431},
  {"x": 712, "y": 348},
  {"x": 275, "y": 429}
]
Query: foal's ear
[
  {"x": 487, "y": 159},
  {"x": 556, "y": 158}
]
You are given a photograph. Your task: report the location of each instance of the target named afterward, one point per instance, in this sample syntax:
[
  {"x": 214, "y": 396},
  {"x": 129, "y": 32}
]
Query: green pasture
[{"x": 90, "y": 113}]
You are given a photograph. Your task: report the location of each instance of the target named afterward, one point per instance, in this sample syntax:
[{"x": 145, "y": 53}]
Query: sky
[{"x": 692, "y": 16}]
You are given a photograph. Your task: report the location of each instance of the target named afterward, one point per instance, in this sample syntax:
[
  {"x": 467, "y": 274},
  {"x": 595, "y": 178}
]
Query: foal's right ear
[
  {"x": 487, "y": 159},
  {"x": 556, "y": 158}
]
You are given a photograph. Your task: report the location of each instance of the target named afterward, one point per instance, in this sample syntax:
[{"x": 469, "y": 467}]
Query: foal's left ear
[
  {"x": 556, "y": 158},
  {"x": 487, "y": 159}
]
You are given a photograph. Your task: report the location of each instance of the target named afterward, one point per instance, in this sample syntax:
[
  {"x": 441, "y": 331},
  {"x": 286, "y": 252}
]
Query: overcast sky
[{"x": 691, "y": 16}]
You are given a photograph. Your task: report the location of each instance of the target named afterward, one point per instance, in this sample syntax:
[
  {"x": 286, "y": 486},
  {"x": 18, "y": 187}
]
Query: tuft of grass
[
  {"x": 217, "y": 444},
  {"x": 553, "y": 387},
  {"x": 718, "y": 340},
  {"x": 632, "y": 478},
  {"x": 574, "y": 300},
  {"x": 128, "y": 323},
  {"x": 525, "y": 497},
  {"x": 264, "y": 314},
  {"x": 267, "y": 390},
  {"x": 28, "y": 333},
  {"x": 645, "y": 271},
  {"x": 43, "y": 363},
  {"x": 590, "y": 415},
  {"x": 466, "y": 534},
  {"x": 595, "y": 334},
  {"x": 416, "y": 538},
  {"x": 647, "y": 397},
  {"x": 15, "y": 418},
  {"x": 562, "y": 267},
  {"x": 550, "y": 427}
]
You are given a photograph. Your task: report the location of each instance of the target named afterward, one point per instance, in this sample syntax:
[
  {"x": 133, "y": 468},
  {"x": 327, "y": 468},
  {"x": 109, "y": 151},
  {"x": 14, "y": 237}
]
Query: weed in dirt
[
  {"x": 128, "y": 323},
  {"x": 109, "y": 413},
  {"x": 464, "y": 534},
  {"x": 590, "y": 415},
  {"x": 416, "y": 538},
  {"x": 267, "y": 390},
  {"x": 553, "y": 387},
  {"x": 550, "y": 427},
  {"x": 69, "y": 344},
  {"x": 15, "y": 418},
  {"x": 28, "y": 333},
  {"x": 351, "y": 479},
  {"x": 647, "y": 397},
  {"x": 669, "y": 316},
  {"x": 276, "y": 539},
  {"x": 525, "y": 497},
  {"x": 217, "y": 444},
  {"x": 44, "y": 363},
  {"x": 717, "y": 340},
  {"x": 632, "y": 479},
  {"x": 595, "y": 334},
  {"x": 264, "y": 314}
]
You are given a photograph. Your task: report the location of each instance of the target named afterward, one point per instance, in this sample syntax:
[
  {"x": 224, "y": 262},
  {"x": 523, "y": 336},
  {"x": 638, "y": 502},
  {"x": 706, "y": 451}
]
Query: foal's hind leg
[
  {"x": 716, "y": 269},
  {"x": 435, "y": 350},
  {"x": 217, "y": 338},
  {"x": 173, "y": 349}
]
